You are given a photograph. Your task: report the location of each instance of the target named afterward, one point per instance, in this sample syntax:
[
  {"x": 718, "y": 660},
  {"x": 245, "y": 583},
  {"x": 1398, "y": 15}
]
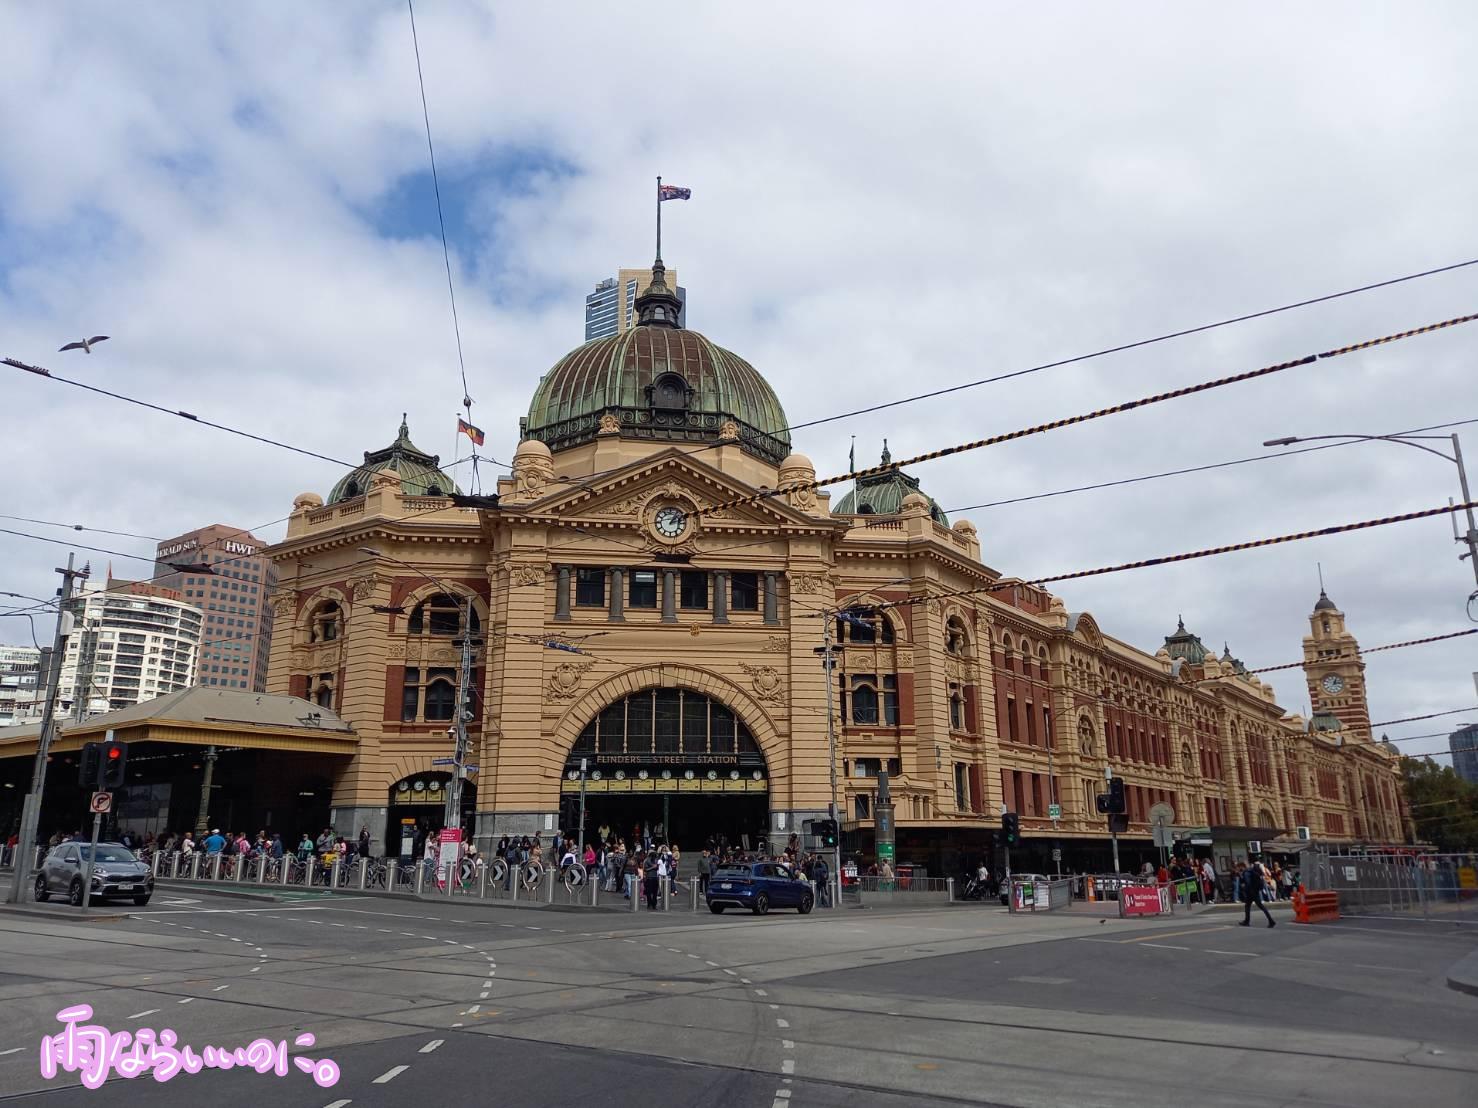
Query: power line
[
  {"x": 440, "y": 219},
  {"x": 1199, "y": 469},
  {"x": 1429, "y": 715},
  {"x": 1166, "y": 337},
  {"x": 1069, "y": 421},
  {"x": 1358, "y": 653}
]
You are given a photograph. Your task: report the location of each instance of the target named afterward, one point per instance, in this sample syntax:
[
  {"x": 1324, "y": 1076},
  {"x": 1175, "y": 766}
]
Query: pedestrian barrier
[
  {"x": 1315, "y": 907},
  {"x": 1040, "y": 896}
]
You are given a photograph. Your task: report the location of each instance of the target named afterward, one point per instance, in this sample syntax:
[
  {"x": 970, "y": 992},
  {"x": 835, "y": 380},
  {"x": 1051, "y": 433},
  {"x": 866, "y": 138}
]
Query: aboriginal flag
[
  {"x": 673, "y": 192},
  {"x": 473, "y": 433}
]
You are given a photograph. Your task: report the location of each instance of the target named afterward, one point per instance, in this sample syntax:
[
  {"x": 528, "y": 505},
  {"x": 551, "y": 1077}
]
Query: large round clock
[
  {"x": 670, "y": 521},
  {"x": 1333, "y": 683}
]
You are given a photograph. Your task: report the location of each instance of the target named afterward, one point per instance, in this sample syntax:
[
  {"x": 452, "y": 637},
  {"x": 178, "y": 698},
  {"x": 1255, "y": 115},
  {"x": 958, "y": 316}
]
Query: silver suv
[{"x": 116, "y": 873}]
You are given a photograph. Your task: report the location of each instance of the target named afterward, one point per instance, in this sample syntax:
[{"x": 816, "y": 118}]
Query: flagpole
[{"x": 659, "y": 218}]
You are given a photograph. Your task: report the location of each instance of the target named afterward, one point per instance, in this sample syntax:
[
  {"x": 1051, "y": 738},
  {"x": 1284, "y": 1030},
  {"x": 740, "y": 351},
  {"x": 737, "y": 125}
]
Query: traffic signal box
[
  {"x": 102, "y": 766},
  {"x": 1010, "y": 829}
]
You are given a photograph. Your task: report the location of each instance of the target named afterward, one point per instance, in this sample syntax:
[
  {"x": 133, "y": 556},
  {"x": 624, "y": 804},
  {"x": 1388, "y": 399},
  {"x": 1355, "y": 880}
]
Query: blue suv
[{"x": 758, "y": 886}]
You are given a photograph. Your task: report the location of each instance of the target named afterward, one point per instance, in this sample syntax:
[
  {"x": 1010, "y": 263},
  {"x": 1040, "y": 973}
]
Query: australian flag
[{"x": 673, "y": 192}]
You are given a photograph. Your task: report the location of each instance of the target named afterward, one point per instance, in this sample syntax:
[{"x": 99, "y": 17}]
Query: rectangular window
[
  {"x": 612, "y": 728},
  {"x": 1011, "y": 720},
  {"x": 744, "y": 592},
  {"x": 890, "y": 699},
  {"x": 895, "y": 767},
  {"x": 590, "y": 587},
  {"x": 962, "y": 788},
  {"x": 1031, "y": 724},
  {"x": 639, "y": 724},
  {"x": 410, "y": 697},
  {"x": 695, "y": 724},
  {"x": 693, "y": 589},
  {"x": 643, "y": 593},
  {"x": 1046, "y": 726},
  {"x": 666, "y": 721}
]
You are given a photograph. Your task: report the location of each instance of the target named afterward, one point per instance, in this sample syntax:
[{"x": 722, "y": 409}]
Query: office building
[
  {"x": 20, "y": 676},
  {"x": 1464, "y": 746},
  {"x": 235, "y": 595},
  {"x": 132, "y": 641},
  {"x": 611, "y": 308}
]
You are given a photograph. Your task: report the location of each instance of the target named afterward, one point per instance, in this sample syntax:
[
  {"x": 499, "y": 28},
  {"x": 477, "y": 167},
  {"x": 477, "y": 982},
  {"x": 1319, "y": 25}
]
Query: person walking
[{"x": 1253, "y": 878}]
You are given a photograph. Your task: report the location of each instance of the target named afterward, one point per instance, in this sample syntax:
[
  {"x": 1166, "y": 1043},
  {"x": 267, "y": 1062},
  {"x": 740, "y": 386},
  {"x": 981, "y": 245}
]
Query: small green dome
[
  {"x": 419, "y": 472},
  {"x": 1186, "y": 646},
  {"x": 883, "y": 493},
  {"x": 658, "y": 382}
]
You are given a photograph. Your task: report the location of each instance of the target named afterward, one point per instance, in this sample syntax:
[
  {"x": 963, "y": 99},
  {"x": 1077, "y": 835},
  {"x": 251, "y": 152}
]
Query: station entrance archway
[{"x": 671, "y": 763}]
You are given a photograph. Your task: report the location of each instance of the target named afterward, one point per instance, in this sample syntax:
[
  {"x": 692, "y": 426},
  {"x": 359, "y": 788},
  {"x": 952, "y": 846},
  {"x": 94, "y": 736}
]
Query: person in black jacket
[{"x": 1252, "y": 888}]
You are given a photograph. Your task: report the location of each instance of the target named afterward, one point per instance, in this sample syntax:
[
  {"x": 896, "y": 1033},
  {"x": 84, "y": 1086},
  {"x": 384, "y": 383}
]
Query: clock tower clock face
[
  {"x": 670, "y": 521},
  {"x": 1332, "y": 684}
]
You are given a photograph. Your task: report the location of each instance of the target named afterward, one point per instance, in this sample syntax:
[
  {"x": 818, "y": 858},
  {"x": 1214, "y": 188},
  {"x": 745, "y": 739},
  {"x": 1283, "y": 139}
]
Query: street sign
[
  {"x": 1164, "y": 835},
  {"x": 1057, "y": 853},
  {"x": 102, "y": 802},
  {"x": 1161, "y": 813},
  {"x": 1054, "y": 811},
  {"x": 443, "y": 761}
]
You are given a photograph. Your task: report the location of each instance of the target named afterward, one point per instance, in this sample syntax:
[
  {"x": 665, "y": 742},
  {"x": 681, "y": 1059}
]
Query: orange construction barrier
[{"x": 1314, "y": 907}]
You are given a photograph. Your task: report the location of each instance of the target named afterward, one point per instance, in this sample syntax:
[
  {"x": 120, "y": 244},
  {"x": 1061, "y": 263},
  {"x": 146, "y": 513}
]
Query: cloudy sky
[{"x": 885, "y": 200}]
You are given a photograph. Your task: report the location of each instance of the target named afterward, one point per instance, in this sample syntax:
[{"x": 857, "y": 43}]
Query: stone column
[
  {"x": 669, "y": 596},
  {"x": 562, "y": 593},
  {"x": 721, "y": 596},
  {"x": 618, "y": 594},
  {"x": 772, "y": 603}
]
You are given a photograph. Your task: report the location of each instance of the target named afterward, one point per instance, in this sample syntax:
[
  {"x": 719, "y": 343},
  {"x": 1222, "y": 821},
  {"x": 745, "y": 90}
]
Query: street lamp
[
  {"x": 458, "y": 731},
  {"x": 1470, "y": 539}
]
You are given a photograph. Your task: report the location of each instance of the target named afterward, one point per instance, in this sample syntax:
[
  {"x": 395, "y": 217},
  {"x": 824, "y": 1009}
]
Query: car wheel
[
  {"x": 74, "y": 894},
  {"x": 141, "y": 900},
  {"x": 807, "y": 903},
  {"x": 716, "y": 909},
  {"x": 42, "y": 892},
  {"x": 761, "y": 904}
]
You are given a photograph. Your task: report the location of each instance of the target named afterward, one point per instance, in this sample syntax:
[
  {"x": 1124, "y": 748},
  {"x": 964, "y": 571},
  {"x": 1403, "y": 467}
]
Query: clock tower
[{"x": 1335, "y": 673}]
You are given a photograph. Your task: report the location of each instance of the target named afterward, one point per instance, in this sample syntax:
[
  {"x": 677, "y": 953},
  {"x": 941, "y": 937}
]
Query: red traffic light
[{"x": 114, "y": 753}]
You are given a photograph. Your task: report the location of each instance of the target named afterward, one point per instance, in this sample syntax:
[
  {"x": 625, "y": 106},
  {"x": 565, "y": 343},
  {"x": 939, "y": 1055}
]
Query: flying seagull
[{"x": 85, "y": 345}]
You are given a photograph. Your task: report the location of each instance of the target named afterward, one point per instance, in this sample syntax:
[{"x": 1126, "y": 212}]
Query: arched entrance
[
  {"x": 672, "y": 763},
  {"x": 417, "y": 808}
]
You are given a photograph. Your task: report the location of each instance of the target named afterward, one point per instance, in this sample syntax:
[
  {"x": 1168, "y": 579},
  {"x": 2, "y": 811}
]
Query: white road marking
[
  {"x": 692, "y": 955},
  {"x": 1237, "y": 953},
  {"x": 338, "y": 1104},
  {"x": 488, "y": 984},
  {"x": 483, "y": 995},
  {"x": 474, "y": 1009},
  {"x": 456, "y": 1025},
  {"x": 760, "y": 992},
  {"x": 390, "y": 1075},
  {"x": 254, "y": 969},
  {"x": 787, "y": 1066},
  {"x": 787, "y": 1044},
  {"x": 218, "y": 988},
  {"x": 732, "y": 973},
  {"x": 774, "y": 1007},
  {"x": 713, "y": 964},
  {"x": 137, "y": 1015},
  {"x": 782, "y": 1024},
  {"x": 1165, "y": 946},
  {"x": 432, "y": 1045},
  {"x": 186, "y": 1000}
]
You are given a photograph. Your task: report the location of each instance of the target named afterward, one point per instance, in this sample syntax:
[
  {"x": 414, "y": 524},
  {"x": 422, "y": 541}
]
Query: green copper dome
[
  {"x": 883, "y": 494},
  {"x": 658, "y": 382},
  {"x": 418, "y": 471}
]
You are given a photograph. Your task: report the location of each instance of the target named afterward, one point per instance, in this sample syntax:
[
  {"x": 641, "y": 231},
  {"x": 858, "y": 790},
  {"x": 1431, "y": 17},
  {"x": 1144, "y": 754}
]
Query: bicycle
[{"x": 375, "y": 874}]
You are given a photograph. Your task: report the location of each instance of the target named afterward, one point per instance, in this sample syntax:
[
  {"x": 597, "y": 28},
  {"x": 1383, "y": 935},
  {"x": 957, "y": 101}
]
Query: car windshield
[
  {"x": 106, "y": 853},
  {"x": 733, "y": 871}
]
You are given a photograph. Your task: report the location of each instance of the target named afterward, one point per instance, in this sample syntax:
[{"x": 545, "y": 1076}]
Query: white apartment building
[
  {"x": 132, "y": 642},
  {"x": 20, "y": 668}
]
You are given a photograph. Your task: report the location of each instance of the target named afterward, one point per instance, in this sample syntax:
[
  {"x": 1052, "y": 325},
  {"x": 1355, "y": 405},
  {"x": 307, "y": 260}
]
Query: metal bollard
[
  {"x": 451, "y": 878},
  {"x": 333, "y": 873},
  {"x": 594, "y": 893},
  {"x": 420, "y": 879},
  {"x": 262, "y": 868},
  {"x": 363, "y": 873},
  {"x": 550, "y": 882}
]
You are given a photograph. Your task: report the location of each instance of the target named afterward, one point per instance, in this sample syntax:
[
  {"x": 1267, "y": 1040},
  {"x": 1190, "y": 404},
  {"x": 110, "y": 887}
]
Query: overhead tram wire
[
  {"x": 1429, "y": 715},
  {"x": 1170, "y": 559},
  {"x": 1120, "y": 348},
  {"x": 1070, "y": 421},
  {"x": 80, "y": 527},
  {"x": 1195, "y": 469},
  {"x": 1359, "y": 653}
]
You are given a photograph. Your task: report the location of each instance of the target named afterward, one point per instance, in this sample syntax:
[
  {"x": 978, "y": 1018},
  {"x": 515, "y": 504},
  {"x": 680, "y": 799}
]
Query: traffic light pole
[
  {"x": 25, "y": 844},
  {"x": 97, "y": 826},
  {"x": 831, "y": 741}
]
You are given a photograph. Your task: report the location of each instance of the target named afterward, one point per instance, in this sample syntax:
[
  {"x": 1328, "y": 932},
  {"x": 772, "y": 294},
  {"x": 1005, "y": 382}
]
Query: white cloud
[{"x": 884, "y": 202}]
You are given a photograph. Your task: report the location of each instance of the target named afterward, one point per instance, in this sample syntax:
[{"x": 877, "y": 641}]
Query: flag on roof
[
  {"x": 473, "y": 433},
  {"x": 673, "y": 192}
]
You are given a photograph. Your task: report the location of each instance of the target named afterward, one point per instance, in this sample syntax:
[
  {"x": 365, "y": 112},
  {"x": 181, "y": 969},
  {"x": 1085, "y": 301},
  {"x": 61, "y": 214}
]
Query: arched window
[
  {"x": 326, "y": 622},
  {"x": 434, "y": 489},
  {"x": 956, "y": 708},
  {"x": 1042, "y": 663},
  {"x": 441, "y": 700},
  {"x": 666, "y": 721},
  {"x": 864, "y": 625},
  {"x": 351, "y": 489},
  {"x": 873, "y": 701},
  {"x": 441, "y": 614}
]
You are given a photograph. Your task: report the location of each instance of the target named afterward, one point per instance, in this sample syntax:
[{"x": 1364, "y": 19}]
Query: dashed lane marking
[
  {"x": 141, "y": 1015},
  {"x": 338, "y": 1104},
  {"x": 218, "y": 988},
  {"x": 1165, "y": 946},
  {"x": 760, "y": 992},
  {"x": 390, "y": 1075},
  {"x": 782, "y": 1024},
  {"x": 432, "y": 1045},
  {"x": 787, "y": 1066},
  {"x": 12, "y": 1050},
  {"x": 186, "y": 1000}
]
